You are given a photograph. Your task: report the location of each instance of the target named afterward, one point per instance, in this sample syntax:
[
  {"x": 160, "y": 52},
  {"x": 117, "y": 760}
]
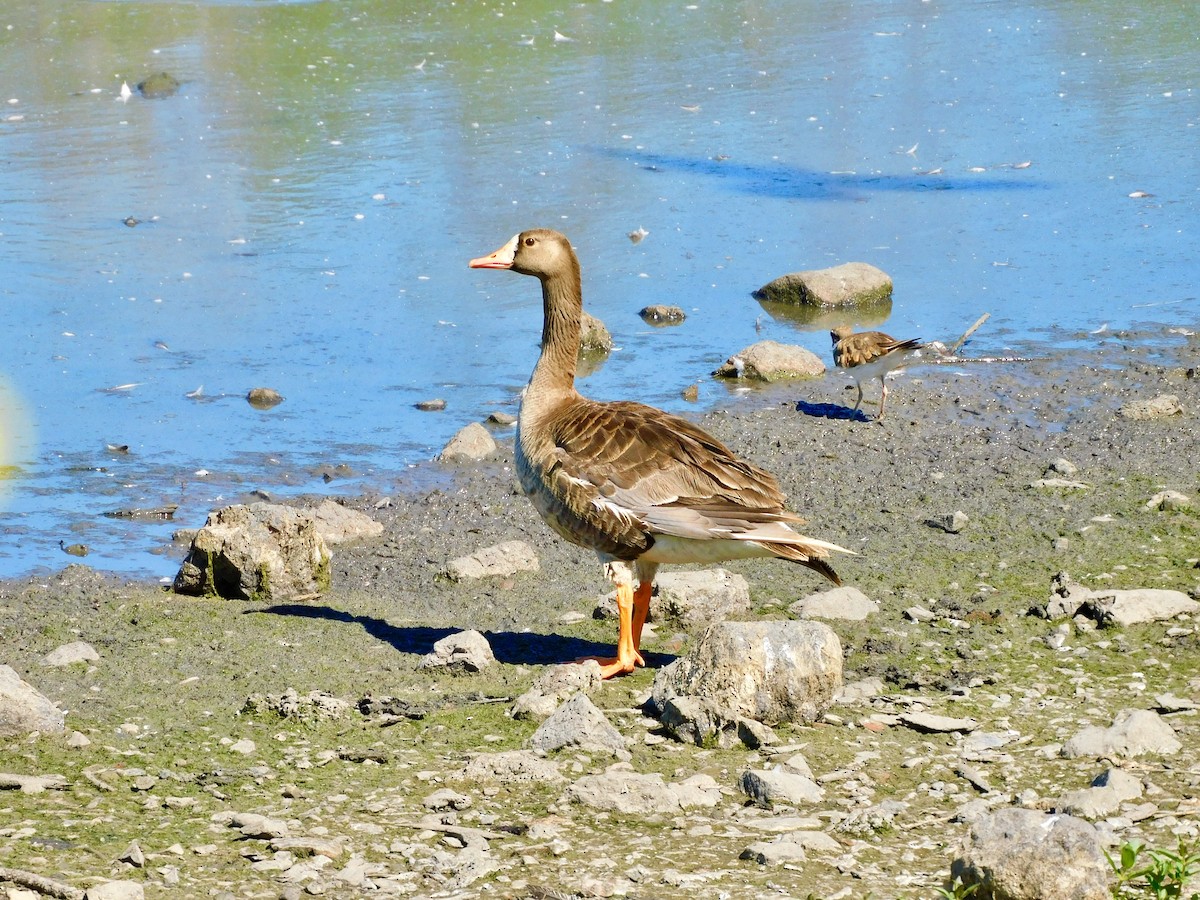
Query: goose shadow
[
  {"x": 511, "y": 647},
  {"x": 831, "y": 411},
  {"x": 791, "y": 182}
]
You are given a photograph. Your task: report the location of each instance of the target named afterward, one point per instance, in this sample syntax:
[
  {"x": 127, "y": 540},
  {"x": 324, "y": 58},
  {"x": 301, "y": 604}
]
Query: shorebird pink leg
[{"x": 883, "y": 399}]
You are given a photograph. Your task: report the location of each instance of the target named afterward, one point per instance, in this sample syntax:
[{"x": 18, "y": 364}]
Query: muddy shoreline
[{"x": 167, "y": 697}]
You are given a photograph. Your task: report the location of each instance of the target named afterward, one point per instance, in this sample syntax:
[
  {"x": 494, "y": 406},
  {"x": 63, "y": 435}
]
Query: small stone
[
  {"x": 470, "y": 444},
  {"x": 928, "y": 722},
  {"x": 1161, "y": 407},
  {"x": 245, "y": 747},
  {"x": 69, "y": 654},
  {"x": 951, "y": 523},
  {"x": 1063, "y": 467},
  {"x": 503, "y": 559},
  {"x": 842, "y": 603},
  {"x": 264, "y": 398},
  {"x": 660, "y": 314},
  {"x": 502, "y": 418},
  {"x": 1167, "y": 501},
  {"x": 435, "y": 405}
]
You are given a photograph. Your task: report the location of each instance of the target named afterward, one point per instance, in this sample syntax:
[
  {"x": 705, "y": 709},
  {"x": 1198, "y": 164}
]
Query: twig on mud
[
  {"x": 46, "y": 886},
  {"x": 957, "y": 345},
  {"x": 459, "y": 831}
]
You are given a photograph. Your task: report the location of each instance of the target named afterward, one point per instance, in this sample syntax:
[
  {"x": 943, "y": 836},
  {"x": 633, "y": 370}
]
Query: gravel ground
[{"x": 172, "y": 748}]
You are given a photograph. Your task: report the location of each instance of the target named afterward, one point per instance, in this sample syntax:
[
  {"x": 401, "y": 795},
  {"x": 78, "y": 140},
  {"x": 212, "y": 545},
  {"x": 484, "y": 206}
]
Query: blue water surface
[{"x": 302, "y": 210}]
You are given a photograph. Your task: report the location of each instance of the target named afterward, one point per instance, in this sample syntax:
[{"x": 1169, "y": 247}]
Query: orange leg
[
  {"x": 627, "y": 657},
  {"x": 641, "y": 609}
]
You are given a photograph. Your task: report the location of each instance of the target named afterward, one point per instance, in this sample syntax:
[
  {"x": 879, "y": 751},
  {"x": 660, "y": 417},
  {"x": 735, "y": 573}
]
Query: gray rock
[
  {"x": 69, "y": 654},
  {"x": 774, "y": 853},
  {"x": 986, "y": 741},
  {"x": 860, "y": 691},
  {"x": 850, "y": 284},
  {"x": 24, "y": 709},
  {"x": 263, "y": 552},
  {"x": 873, "y": 819},
  {"x": 463, "y": 651},
  {"x": 470, "y": 444},
  {"x": 1062, "y": 467},
  {"x": 1161, "y": 407},
  {"x": 846, "y": 603},
  {"x": 254, "y": 825},
  {"x": 553, "y": 686},
  {"x": 932, "y": 724},
  {"x": 772, "y": 361},
  {"x": 512, "y": 767},
  {"x": 445, "y": 798},
  {"x": 622, "y": 791},
  {"x": 115, "y": 890},
  {"x": 338, "y": 524},
  {"x": 1066, "y": 597},
  {"x": 1108, "y": 791},
  {"x": 503, "y": 559},
  {"x": 1023, "y": 854},
  {"x": 697, "y": 721},
  {"x": 1135, "y": 607},
  {"x": 770, "y": 672},
  {"x": 951, "y": 523},
  {"x": 578, "y": 723},
  {"x": 1134, "y": 732},
  {"x": 700, "y": 790},
  {"x": 768, "y": 786},
  {"x": 1166, "y": 501}
]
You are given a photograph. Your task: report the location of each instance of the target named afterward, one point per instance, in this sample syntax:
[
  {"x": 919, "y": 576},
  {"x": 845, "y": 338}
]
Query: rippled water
[{"x": 308, "y": 200}]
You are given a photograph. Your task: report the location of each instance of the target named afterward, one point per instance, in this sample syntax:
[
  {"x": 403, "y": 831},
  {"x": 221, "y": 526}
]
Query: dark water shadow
[
  {"x": 789, "y": 182},
  {"x": 831, "y": 411},
  {"x": 512, "y": 647}
]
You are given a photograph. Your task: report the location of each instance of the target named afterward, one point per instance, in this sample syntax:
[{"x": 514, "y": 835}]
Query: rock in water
[{"x": 850, "y": 284}]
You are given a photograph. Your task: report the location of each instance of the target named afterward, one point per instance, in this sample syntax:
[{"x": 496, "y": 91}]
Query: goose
[
  {"x": 637, "y": 485},
  {"x": 871, "y": 354}
]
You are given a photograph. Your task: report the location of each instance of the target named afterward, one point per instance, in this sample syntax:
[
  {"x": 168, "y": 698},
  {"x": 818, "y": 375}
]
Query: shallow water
[{"x": 308, "y": 200}]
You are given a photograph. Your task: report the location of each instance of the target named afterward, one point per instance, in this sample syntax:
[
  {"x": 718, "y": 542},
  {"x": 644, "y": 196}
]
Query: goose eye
[{"x": 529, "y": 242}]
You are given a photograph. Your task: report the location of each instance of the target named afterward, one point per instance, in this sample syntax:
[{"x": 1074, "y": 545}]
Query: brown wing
[
  {"x": 663, "y": 470},
  {"x": 868, "y": 346}
]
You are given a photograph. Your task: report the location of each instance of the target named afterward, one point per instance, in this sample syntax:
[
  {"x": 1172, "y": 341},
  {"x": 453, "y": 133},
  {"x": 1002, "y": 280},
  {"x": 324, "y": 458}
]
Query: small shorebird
[
  {"x": 637, "y": 485},
  {"x": 871, "y": 354}
]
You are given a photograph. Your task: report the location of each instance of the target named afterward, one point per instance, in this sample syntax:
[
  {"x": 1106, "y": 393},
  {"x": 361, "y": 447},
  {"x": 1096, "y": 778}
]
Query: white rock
[
  {"x": 470, "y": 444},
  {"x": 1134, "y": 732},
  {"x": 463, "y": 651},
  {"x": 69, "y": 654},
  {"x": 845, "y": 603},
  {"x": 24, "y": 709},
  {"x": 503, "y": 559},
  {"x": 1135, "y": 607}
]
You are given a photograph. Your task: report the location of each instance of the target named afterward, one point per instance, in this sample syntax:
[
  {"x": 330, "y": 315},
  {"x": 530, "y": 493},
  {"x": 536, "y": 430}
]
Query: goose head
[{"x": 539, "y": 252}]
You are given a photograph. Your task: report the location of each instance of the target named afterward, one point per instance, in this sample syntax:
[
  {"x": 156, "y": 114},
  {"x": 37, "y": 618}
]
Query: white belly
[{"x": 673, "y": 550}]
